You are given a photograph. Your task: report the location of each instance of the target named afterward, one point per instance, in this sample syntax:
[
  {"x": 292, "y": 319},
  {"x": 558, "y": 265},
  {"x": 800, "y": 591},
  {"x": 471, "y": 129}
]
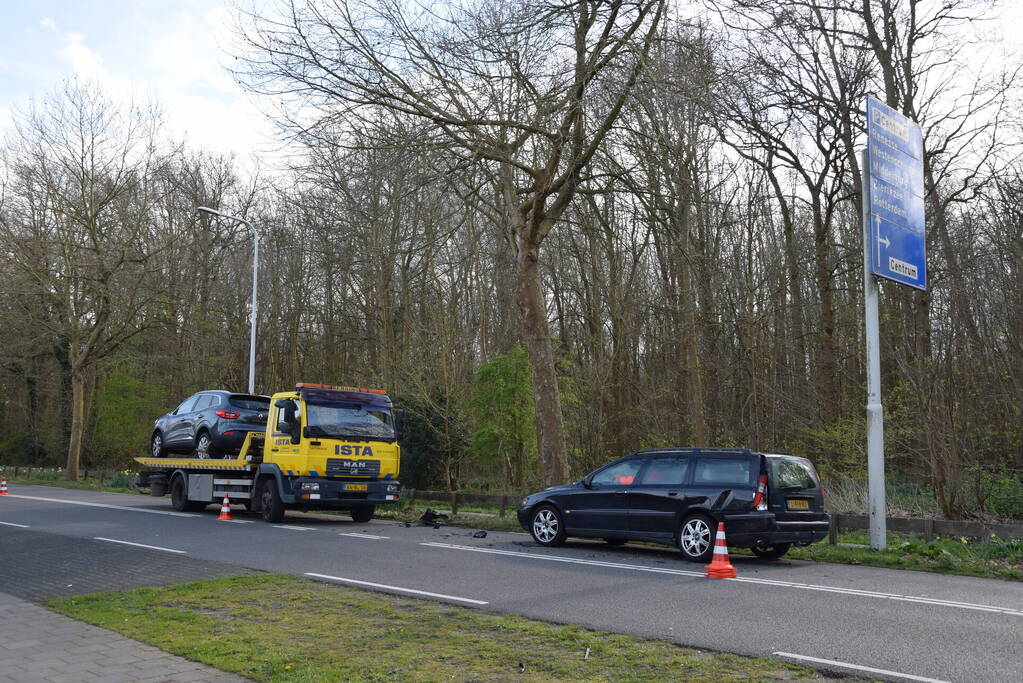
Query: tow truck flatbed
[{"x": 196, "y": 464}]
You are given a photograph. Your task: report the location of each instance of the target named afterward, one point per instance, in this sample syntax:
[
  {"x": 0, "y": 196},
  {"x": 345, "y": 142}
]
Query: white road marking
[
  {"x": 236, "y": 521},
  {"x": 20, "y": 526},
  {"x": 766, "y": 582},
  {"x": 857, "y": 667},
  {"x": 370, "y": 536},
  {"x": 397, "y": 588},
  {"x": 569, "y": 560},
  {"x": 296, "y": 528},
  {"x": 103, "y": 505},
  {"x": 140, "y": 545}
]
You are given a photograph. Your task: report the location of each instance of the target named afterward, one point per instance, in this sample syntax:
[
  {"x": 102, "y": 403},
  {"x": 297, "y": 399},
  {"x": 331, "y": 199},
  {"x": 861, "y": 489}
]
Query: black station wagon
[{"x": 677, "y": 496}]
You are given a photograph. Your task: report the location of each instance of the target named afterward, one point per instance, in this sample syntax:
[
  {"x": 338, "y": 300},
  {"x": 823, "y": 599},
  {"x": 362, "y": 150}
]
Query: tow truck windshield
[{"x": 349, "y": 420}]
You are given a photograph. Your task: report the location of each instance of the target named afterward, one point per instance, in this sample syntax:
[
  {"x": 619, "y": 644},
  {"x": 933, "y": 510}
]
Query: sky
[
  {"x": 175, "y": 51},
  {"x": 171, "y": 50}
]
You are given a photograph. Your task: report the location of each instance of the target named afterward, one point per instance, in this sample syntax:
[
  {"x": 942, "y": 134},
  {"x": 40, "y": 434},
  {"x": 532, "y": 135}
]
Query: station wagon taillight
[
  {"x": 228, "y": 414},
  {"x": 760, "y": 500}
]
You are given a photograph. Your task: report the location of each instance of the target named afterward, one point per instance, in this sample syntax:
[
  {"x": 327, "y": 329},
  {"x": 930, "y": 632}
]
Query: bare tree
[
  {"x": 75, "y": 222},
  {"x": 509, "y": 86}
]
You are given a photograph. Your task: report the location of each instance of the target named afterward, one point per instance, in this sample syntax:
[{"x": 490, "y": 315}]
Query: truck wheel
[
  {"x": 363, "y": 513},
  {"x": 179, "y": 497},
  {"x": 270, "y": 503},
  {"x": 156, "y": 447}
]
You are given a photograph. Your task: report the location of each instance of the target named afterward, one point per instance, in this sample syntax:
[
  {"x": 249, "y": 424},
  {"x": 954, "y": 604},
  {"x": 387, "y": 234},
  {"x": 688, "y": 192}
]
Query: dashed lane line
[
  {"x": 372, "y": 537},
  {"x": 765, "y": 582},
  {"x": 140, "y": 545},
  {"x": 856, "y": 667},
  {"x": 20, "y": 526},
  {"x": 399, "y": 589},
  {"x": 293, "y": 528}
]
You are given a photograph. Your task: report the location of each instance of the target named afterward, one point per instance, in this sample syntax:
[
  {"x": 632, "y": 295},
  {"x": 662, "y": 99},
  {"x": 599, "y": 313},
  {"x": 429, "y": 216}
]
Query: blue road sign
[{"x": 898, "y": 243}]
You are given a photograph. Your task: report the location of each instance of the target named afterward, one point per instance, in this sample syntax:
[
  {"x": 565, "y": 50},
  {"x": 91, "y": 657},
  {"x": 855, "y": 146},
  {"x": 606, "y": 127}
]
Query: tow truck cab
[{"x": 332, "y": 447}]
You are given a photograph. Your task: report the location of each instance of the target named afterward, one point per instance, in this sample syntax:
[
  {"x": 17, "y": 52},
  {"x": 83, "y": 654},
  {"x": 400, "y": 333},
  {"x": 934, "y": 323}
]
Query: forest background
[{"x": 554, "y": 232}]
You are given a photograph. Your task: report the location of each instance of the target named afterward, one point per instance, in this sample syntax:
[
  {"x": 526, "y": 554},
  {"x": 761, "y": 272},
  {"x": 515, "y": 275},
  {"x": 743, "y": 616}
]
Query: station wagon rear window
[
  {"x": 665, "y": 471},
  {"x": 789, "y": 472},
  {"x": 723, "y": 471}
]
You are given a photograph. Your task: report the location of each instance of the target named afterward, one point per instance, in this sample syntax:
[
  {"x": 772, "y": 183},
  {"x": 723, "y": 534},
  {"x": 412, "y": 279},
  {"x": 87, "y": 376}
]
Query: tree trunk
[
  {"x": 550, "y": 428},
  {"x": 74, "y": 451},
  {"x": 827, "y": 382}
]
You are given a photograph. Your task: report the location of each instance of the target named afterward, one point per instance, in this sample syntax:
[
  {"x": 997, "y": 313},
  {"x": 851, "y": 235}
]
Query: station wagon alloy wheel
[
  {"x": 547, "y": 528},
  {"x": 696, "y": 540}
]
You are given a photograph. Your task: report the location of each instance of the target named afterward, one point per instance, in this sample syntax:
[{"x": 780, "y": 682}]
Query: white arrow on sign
[{"x": 884, "y": 241}]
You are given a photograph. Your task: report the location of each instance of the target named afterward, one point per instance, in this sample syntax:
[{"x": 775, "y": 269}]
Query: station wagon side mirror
[{"x": 588, "y": 481}]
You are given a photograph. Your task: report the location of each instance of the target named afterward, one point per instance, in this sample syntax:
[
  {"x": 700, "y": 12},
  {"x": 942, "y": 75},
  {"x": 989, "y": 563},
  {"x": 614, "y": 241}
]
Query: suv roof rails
[{"x": 690, "y": 449}]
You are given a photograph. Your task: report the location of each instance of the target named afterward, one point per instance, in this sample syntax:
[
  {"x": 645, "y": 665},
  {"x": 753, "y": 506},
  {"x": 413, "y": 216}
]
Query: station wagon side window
[
  {"x": 665, "y": 472},
  {"x": 621, "y": 474},
  {"x": 729, "y": 471}
]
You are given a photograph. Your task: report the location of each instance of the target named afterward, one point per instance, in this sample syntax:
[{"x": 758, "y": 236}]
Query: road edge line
[
  {"x": 140, "y": 545},
  {"x": 413, "y": 591},
  {"x": 857, "y": 667}
]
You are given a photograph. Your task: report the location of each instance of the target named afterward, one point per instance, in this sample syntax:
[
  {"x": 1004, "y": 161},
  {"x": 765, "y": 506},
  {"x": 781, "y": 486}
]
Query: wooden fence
[{"x": 930, "y": 528}]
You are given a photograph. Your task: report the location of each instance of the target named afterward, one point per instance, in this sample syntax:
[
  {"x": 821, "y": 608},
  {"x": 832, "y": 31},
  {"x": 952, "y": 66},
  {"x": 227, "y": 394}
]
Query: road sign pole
[{"x": 875, "y": 413}]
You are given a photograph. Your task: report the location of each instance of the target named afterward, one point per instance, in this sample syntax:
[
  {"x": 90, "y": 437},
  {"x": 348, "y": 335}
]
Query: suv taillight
[
  {"x": 228, "y": 414},
  {"x": 760, "y": 500}
]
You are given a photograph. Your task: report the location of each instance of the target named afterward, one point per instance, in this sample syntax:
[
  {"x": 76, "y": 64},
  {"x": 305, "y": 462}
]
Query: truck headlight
[
  {"x": 310, "y": 486},
  {"x": 393, "y": 488}
]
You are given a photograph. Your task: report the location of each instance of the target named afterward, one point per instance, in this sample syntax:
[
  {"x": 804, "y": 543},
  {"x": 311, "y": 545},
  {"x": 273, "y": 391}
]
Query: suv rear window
[
  {"x": 257, "y": 403},
  {"x": 722, "y": 471},
  {"x": 787, "y": 471}
]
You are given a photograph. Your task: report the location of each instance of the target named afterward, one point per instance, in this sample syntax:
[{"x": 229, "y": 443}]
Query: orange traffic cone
[
  {"x": 225, "y": 510},
  {"x": 3, "y": 486},
  {"x": 720, "y": 567}
]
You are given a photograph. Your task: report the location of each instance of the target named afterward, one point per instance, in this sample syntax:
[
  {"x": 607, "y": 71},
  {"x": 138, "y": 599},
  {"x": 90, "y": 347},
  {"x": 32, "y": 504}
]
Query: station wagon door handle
[
  {"x": 621, "y": 493},
  {"x": 672, "y": 493}
]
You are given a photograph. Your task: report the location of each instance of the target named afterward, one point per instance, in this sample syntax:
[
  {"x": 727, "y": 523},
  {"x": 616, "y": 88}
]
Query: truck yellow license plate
[
  {"x": 365, "y": 487},
  {"x": 799, "y": 505}
]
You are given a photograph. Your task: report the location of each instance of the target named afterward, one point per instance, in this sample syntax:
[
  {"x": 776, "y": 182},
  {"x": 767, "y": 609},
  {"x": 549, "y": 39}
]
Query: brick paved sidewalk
[{"x": 39, "y": 645}]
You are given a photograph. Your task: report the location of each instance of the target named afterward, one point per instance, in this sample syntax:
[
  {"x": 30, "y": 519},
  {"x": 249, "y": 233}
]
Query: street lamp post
[{"x": 255, "y": 278}]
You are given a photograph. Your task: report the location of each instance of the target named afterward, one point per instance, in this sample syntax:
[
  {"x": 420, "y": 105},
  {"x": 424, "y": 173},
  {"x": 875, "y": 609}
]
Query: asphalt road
[{"x": 900, "y": 625}]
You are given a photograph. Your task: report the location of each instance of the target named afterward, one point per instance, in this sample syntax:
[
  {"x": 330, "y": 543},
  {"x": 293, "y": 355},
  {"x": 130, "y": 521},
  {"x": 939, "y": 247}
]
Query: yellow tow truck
[{"x": 324, "y": 448}]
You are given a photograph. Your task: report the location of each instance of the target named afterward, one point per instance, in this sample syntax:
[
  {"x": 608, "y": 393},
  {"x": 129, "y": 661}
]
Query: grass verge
[
  {"x": 284, "y": 628},
  {"x": 119, "y": 483},
  {"x": 988, "y": 558}
]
